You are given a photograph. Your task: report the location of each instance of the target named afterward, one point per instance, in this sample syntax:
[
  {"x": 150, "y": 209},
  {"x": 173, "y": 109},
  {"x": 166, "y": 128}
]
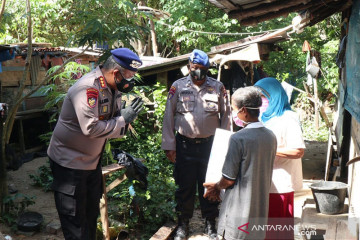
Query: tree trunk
[
  {"x": 2, "y": 10},
  {"x": 153, "y": 38}
]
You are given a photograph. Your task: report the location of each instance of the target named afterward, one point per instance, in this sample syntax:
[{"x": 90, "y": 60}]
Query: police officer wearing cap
[
  {"x": 92, "y": 112},
  {"x": 196, "y": 106}
]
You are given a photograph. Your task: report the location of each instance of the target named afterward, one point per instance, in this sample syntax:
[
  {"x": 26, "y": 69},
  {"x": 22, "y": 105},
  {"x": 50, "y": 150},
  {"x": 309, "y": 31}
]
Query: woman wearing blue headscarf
[{"x": 287, "y": 172}]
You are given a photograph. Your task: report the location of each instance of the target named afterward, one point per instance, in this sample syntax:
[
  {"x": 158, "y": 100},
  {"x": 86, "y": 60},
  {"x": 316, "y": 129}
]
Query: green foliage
[
  {"x": 289, "y": 63},
  {"x": 305, "y": 110},
  {"x": 140, "y": 210},
  {"x": 311, "y": 135},
  {"x": 198, "y": 15},
  {"x": 72, "y": 22},
  {"x": 14, "y": 206},
  {"x": 43, "y": 178}
]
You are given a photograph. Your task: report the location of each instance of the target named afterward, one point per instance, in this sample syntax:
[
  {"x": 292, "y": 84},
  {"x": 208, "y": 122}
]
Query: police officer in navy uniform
[
  {"x": 91, "y": 113},
  {"x": 196, "y": 106}
]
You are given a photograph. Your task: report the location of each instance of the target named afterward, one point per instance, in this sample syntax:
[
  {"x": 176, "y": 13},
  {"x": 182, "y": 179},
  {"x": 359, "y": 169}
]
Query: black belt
[{"x": 195, "y": 140}]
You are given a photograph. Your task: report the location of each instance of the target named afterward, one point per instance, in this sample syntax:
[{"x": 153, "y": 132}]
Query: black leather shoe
[
  {"x": 182, "y": 230},
  {"x": 210, "y": 229}
]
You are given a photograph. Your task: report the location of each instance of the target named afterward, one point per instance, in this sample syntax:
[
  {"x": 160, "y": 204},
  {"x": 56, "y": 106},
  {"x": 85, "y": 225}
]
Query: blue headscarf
[{"x": 278, "y": 99}]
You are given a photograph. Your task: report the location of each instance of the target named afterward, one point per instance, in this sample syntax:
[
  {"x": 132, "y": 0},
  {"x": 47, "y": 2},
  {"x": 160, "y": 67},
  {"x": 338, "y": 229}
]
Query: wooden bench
[
  {"x": 106, "y": 171},
  {"x": 164, "y": 232}
]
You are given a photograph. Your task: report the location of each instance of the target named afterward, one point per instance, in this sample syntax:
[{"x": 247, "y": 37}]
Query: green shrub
[{"x": 43, "y": 178}]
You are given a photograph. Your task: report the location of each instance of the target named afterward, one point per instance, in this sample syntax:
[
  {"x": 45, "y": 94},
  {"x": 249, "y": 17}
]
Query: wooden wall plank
[{"x": 12, "y": 78}]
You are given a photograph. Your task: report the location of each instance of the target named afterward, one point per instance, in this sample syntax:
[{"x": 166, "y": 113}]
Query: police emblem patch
[
  {"x": 135, "y": 64},
  {"x": 211, "y": 105},
  {"x": 172, "y": 92},
  {"x": 92, "y": 96}
]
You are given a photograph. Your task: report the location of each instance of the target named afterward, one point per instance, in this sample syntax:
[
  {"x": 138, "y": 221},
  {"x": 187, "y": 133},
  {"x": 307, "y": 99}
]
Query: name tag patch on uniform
[
  {"x": 186, "y": 92},
  {"x": 92, "y": 96},
  {"x": 172, "y": 92},
  {"x": 105, "y": 100}
]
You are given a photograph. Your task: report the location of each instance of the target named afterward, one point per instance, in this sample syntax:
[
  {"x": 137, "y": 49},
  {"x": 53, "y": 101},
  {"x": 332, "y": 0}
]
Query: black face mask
[
  {"x": 198, "y": 74},
  {"x": 125, "y": 85}
]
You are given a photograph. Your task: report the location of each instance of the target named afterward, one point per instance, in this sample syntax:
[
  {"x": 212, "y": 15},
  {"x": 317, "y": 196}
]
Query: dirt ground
[{"x": 313, "y": 168}]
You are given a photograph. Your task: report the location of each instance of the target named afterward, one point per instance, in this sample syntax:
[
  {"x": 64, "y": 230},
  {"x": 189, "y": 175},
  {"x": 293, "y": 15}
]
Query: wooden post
[
  {"x": 21, "y": 137},
  {"x": 322, "y": 110},
  {"x": 103, "y": 212},
  {"x": 316, "y": 104}
]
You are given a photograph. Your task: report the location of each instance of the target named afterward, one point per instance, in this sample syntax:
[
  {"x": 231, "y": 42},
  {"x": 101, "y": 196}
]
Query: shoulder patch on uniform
[
  {"x": 92, "y": 96},
  {"x": 102, "y": 82},
  {"x": 172, "y": 92}
]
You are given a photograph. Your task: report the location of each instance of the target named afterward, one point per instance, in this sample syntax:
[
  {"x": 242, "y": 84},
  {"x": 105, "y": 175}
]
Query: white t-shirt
[{"x": 287, "y": 173}]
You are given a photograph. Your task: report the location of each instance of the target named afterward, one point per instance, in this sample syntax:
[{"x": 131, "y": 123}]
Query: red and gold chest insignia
[
  {"x": 92, "y": 96},
  {"x": 102, "y": 82}
]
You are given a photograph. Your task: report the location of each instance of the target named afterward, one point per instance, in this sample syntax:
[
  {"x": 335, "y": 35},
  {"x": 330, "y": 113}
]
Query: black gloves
[{"x": 129, "y": 113}]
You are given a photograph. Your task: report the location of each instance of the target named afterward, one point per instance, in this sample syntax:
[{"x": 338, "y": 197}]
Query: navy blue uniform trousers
[
  {"x": 189, "y": 173},
  {"x": 77, "y": 196}
]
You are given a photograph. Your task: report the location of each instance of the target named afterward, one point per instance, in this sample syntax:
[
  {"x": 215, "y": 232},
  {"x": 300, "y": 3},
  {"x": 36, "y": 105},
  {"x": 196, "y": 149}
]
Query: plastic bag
[{"x": 135, "y": 169}]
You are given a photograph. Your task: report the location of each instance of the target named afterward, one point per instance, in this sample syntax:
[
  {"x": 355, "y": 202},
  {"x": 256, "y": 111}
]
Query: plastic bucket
[{"x": 329, "y": 196}]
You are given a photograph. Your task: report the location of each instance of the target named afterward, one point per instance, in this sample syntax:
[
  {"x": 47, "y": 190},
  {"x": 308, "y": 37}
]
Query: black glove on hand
[{"x": 129, "y": 113}]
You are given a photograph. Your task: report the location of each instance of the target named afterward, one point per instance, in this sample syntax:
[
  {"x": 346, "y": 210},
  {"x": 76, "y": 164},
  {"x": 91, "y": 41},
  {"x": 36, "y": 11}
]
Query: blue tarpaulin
[
  {"x": 6, "y": 55},
  {"x": 352, "y": 88}
]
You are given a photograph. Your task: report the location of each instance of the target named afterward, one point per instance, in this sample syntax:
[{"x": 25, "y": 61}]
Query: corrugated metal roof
[{"x": 251, "y": 12}]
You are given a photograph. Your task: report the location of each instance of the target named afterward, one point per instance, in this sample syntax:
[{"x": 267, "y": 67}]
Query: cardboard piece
[{"x": 217, "y": 156}]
